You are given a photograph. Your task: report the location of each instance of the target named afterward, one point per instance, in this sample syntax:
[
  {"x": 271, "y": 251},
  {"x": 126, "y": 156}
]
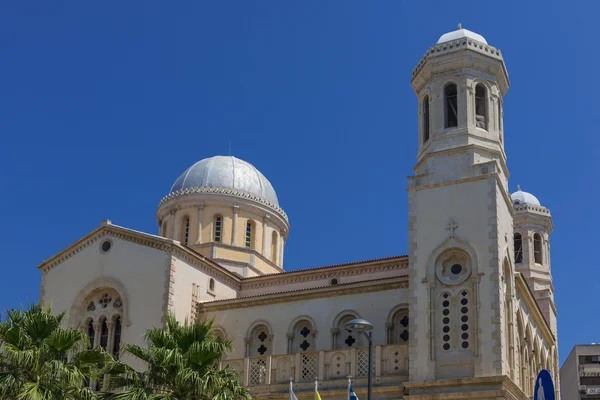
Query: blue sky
[{"x": 104, "y": 104}]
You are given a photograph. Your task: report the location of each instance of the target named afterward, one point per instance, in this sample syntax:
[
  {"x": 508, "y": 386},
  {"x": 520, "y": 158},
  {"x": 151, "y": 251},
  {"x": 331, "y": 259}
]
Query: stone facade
[{"x": 468, "y": 314}]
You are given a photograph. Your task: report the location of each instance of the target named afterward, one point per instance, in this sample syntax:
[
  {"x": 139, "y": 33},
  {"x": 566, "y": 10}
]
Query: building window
[
  {"x": 446, "y": 326},
  {"x": 218, "y": 228},
  {"x": 260, "y": 342},
  {"x": 589, "y": 359},
  {"x": 425, "y": 119},
  {"x": 399, "y": 328},
  {"x": 185, "y": 230},
  {"x": 518, "y": 248},
  {"x": 117, "y": 337},
  {"x": 91, "y": 333},
  {"x": 303, "y": 337},
  {"x": 104, "y": 334},
  {"x": 451, "y": 106},
  {"x": 334, "y": 281},
  {"x": 211, "y": 285},
  {"x": 250, "y": 235},
  {"x": 537, "y": 248},
  {"x": 480, "y": 106},
  {"x": 274, "y": 239}
]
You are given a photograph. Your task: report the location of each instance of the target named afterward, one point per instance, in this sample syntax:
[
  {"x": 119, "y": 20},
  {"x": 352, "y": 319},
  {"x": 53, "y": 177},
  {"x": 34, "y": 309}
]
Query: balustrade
[{"x": 326, "y": 365}]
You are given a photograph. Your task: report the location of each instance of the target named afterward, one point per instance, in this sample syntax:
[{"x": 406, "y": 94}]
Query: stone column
[
  {"x": 290, "y": 338},
  {"x": 172, "y": 224},
  {"x": 97, "y": 333},
  {"x": 264, "y": 238},
  {"x": 200, "y": 217},
  {"x": 281, "y": 246},
  {"x": 248, "y": 343},
  {"x": 110, "y": 324},
  {"x": 236, "y": 211},
  {"x": 334, "y": 334}
]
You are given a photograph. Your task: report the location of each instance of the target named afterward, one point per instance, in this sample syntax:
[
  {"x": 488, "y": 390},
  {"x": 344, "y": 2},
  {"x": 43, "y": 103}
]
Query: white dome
[
  {"x": 521, "y": 197},
  {"x": 461, "y": 33},
  {"x": 226, "y": 172}
]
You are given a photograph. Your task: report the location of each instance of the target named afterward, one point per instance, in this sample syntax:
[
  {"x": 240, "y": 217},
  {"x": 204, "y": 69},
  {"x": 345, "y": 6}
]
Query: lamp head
[{"x": 359, "y": 325}]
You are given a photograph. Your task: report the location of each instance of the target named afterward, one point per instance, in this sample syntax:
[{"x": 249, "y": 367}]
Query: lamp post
[{"x": 364, "y": 327}]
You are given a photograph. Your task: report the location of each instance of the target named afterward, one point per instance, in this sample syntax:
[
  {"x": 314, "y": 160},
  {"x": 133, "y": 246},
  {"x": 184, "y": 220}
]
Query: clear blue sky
[{"x": 103, "y": 105}]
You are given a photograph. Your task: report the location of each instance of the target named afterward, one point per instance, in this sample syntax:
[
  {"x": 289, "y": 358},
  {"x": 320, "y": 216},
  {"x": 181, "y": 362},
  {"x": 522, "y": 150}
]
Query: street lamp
[{"x": 364, "y": 326}]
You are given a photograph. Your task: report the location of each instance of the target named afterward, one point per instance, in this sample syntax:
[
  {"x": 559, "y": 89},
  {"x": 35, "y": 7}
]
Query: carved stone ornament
[{"x": 453, "y": 267}]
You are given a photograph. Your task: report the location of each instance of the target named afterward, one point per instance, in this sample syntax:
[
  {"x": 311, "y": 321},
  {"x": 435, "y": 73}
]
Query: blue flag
[{"x": 351, "y": 394}]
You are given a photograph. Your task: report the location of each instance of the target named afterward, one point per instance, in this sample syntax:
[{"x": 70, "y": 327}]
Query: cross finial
[
  {"x": 451, "y": 227},
  {"x": 459, "y": 25}
]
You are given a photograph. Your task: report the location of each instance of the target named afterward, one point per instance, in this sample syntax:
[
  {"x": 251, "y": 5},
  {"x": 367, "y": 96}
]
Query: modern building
[
  {"x": 467, "y": 313},
  {"x": 580, "y": 374}
]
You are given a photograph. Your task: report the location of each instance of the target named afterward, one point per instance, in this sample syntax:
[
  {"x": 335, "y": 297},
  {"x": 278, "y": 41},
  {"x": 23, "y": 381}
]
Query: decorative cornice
[
  {"x": 227, "y": 192},
  {"x": 457, "y": 45},
  {"x": 316, "y": 274},
  {"x": 373, "y": 285},
  {"x": 166, "y": 245}
]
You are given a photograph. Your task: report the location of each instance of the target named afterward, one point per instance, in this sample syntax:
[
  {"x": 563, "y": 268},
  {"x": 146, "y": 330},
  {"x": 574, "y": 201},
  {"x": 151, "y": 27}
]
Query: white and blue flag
[{"x": 351, "y": 394}]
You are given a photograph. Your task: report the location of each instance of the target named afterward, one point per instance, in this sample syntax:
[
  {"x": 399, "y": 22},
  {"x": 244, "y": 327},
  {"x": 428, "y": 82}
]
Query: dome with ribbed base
[{"x": 226, "y": 172}]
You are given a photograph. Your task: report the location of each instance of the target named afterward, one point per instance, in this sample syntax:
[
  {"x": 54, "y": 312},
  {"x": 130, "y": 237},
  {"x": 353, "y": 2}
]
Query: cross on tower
[{"x": 451, "y": 227}]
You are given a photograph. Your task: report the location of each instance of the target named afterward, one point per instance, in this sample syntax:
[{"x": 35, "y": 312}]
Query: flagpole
[
  {"x": 349, "y": 385},
  {"x": 316, "y": 387},
  {"x": 291, "y": 388}
]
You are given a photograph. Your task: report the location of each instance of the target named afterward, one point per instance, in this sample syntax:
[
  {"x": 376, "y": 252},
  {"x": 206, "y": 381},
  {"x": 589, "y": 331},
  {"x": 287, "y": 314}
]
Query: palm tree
[
  {"x": 182, "y": 363},
  {"x": 39, "y": 360}
]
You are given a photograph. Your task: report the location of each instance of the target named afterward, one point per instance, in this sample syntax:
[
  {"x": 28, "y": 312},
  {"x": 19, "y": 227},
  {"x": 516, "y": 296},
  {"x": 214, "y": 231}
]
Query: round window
[
  {"x": 105, "y": 246},
  {"x": 456, "y": 269}
]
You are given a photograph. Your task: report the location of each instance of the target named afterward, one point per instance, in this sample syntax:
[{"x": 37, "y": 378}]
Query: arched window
[
  {"x": 304, "y": 336},
  {"x": 117, "y": 337},
  {"x": 334, "y": 281},
  {"x": 274, "y": 239},
  {"x": 399, "y": 328},
  {"x": 104, "y": 334},
  {"x": 451, "y": 106},
  {"x": 518, "y": 248},
  {"x": 347, "y": 338},
  {"x": 91, "y": 333},
  {"x": 260, "y": 342},
  {"x": 537, "y": 248},
  {"x": 250, "y": 234},
  {"x": 480, "y": 106},
  {"x": 425, "y": 109},
  {"x": 218, "y": 228},
  {"x": 211, "y": 285},
  {"x": 185, "y": 230}
]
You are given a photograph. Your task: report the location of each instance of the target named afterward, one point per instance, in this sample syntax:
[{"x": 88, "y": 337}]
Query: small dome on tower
[
  {"x": 461, "y": 33},
  {"x": 521, "y": 197},
  {"x": 226, "y": 172}
]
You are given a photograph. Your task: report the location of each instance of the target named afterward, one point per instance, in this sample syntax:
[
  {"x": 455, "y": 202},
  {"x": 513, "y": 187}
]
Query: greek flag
[{"x": 351, "y": 394}]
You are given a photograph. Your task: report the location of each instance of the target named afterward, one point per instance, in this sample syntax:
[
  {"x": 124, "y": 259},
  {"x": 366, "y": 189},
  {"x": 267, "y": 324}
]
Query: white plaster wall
[
  {"x": 374, "y": 306},
  {"x": 468, "y": 204},
  {"x": 185, "y": 277},
  {"x": 140, "y": 270}
]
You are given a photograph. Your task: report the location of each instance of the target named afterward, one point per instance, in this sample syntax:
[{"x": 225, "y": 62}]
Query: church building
[{"x": 467, "y": 313}]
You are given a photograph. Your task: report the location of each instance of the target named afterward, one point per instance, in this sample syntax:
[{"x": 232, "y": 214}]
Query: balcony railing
[{"x": 388, "y": 360}]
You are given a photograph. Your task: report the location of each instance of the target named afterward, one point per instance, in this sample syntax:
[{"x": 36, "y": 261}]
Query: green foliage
[
  {"x": 39, "y": 360},
  {"x": 181, "y": 364}
]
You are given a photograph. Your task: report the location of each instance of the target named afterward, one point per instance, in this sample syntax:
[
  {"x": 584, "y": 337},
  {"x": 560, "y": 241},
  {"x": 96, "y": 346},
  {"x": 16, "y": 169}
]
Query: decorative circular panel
[{"x": 453, "y": 267}]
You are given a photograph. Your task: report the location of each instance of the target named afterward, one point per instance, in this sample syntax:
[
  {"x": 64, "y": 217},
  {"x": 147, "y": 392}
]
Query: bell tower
[{"x": 460, "y": 212}]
